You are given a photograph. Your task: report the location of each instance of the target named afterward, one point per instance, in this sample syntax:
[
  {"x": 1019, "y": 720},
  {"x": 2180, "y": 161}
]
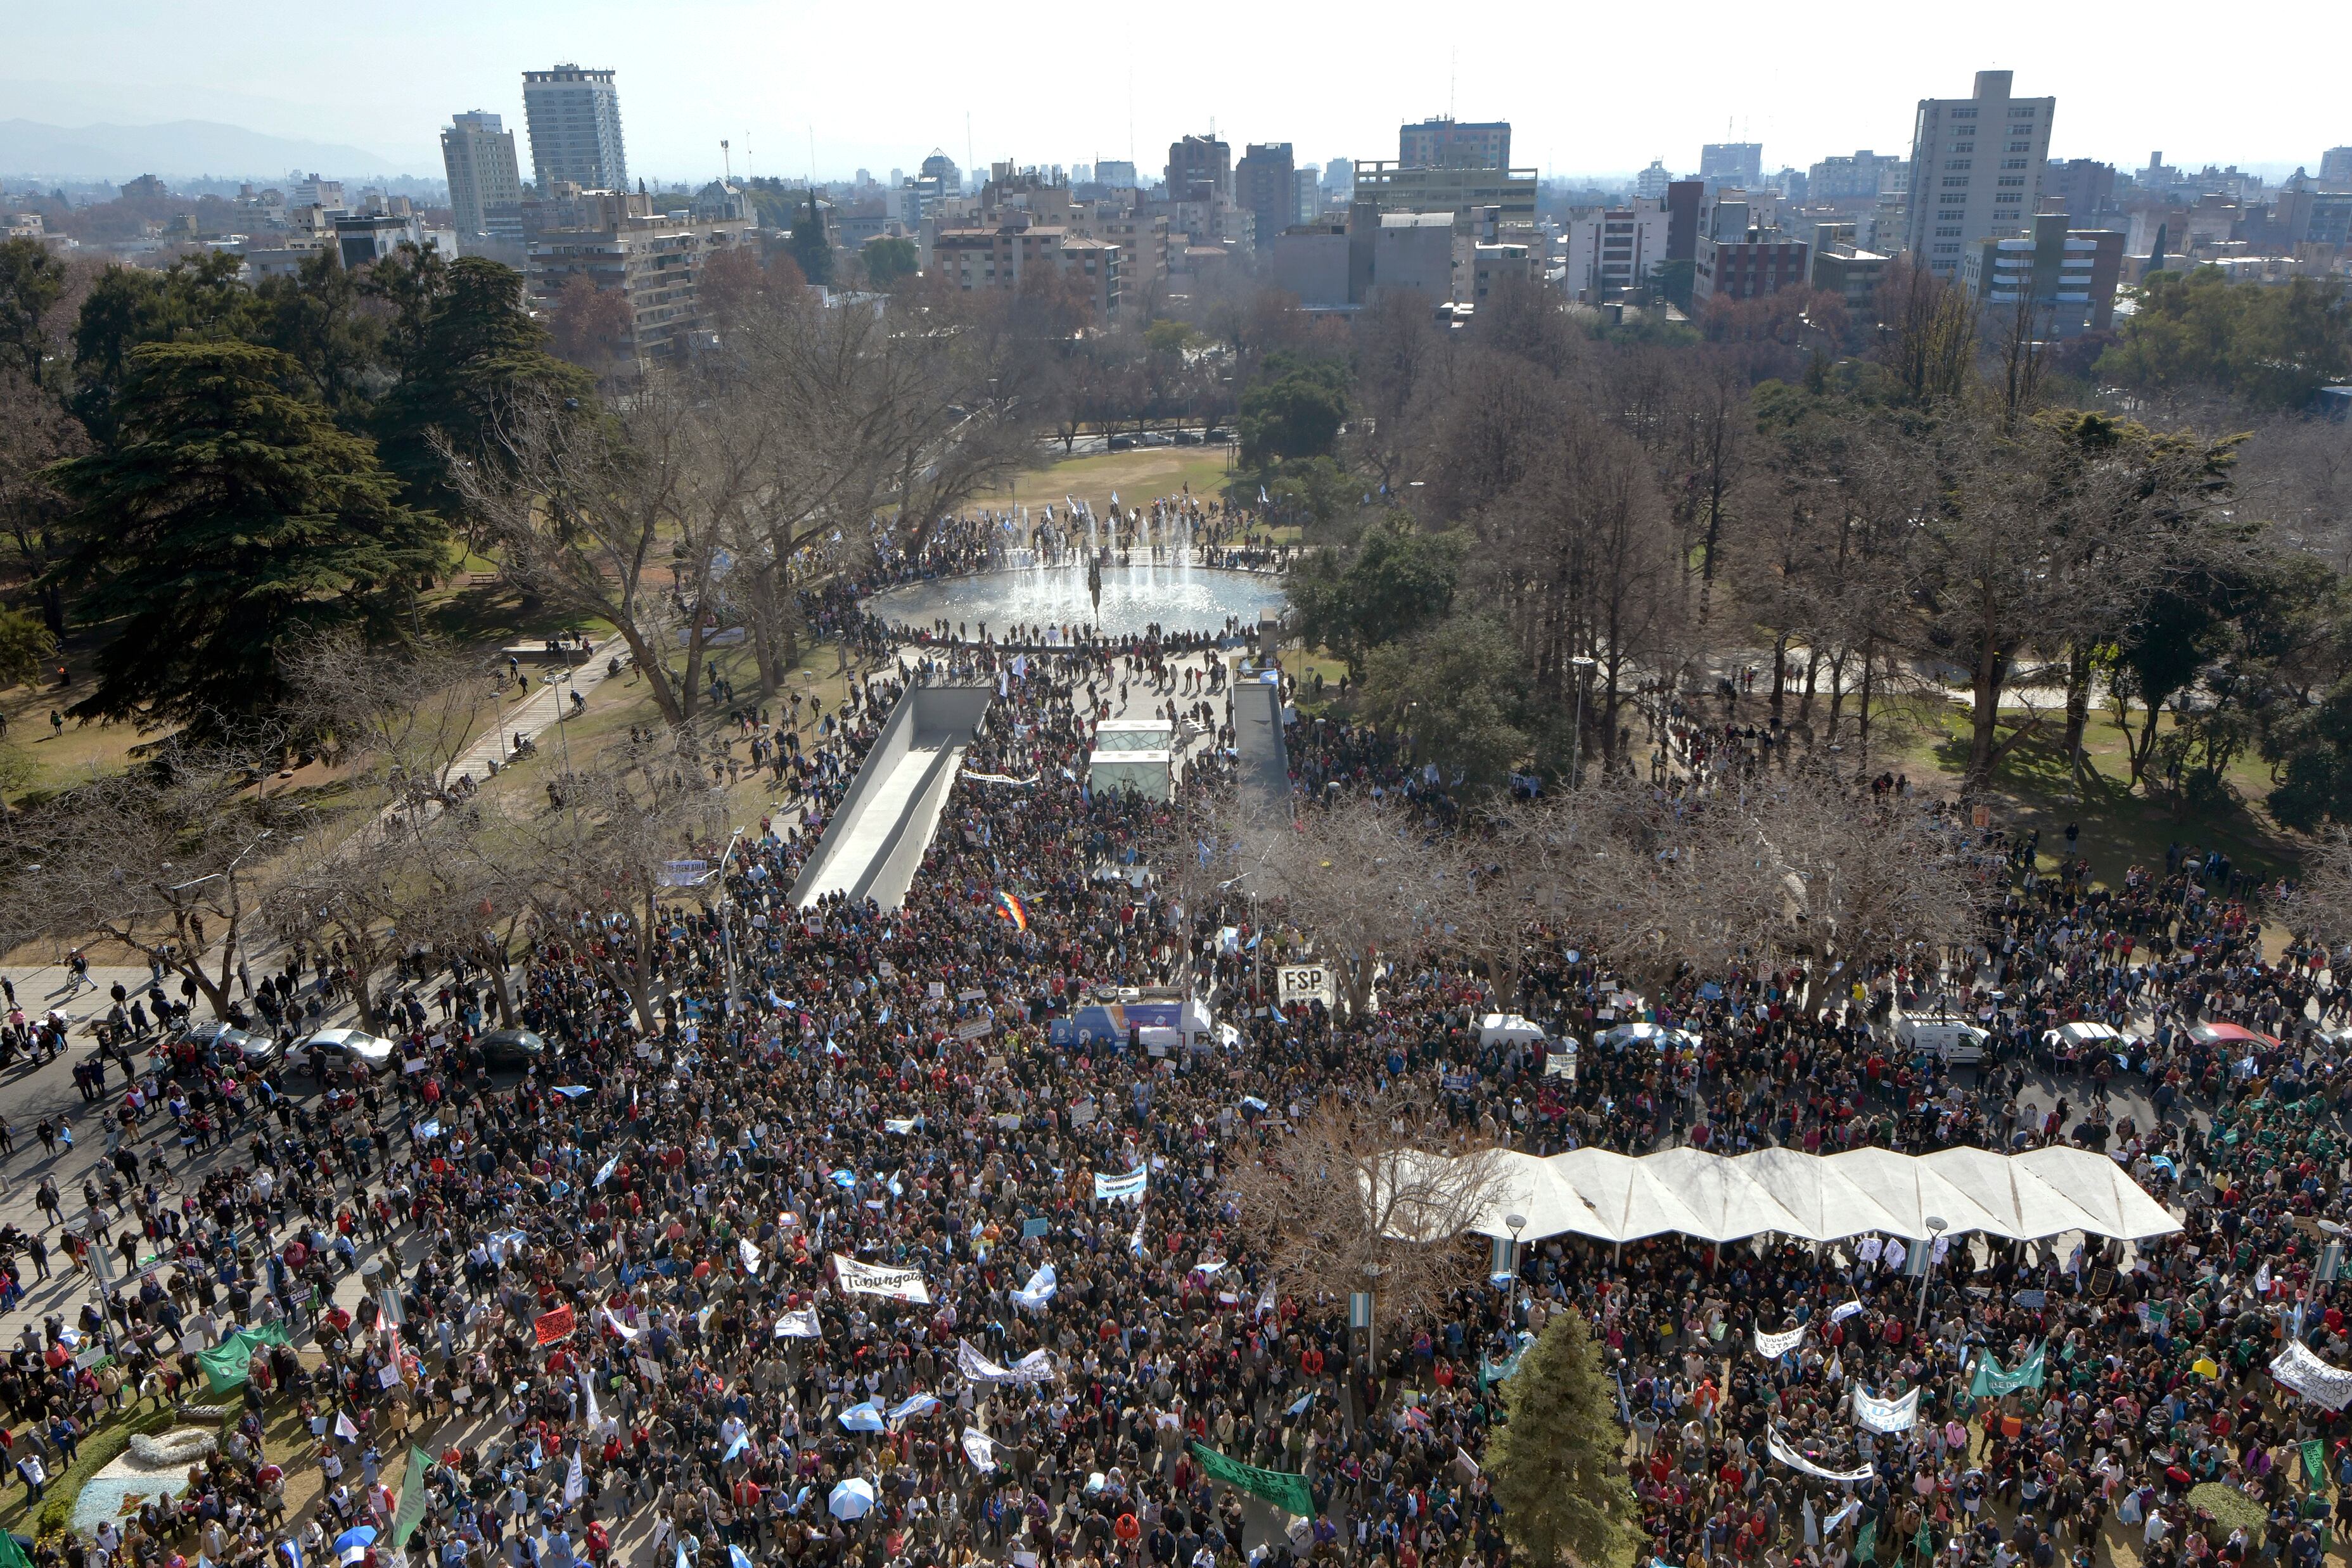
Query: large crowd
[{"x": 605, "y": 1302}]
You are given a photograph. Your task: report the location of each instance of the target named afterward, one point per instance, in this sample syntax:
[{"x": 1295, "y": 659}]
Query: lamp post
[
  {"x": 1515, "y": 1223},
  {"x": 1936, "y": 1224}
]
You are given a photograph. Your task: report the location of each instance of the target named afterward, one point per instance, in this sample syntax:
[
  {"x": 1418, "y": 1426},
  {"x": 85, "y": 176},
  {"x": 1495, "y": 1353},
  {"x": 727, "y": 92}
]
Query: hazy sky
[{"x": 1586, "y": 90}]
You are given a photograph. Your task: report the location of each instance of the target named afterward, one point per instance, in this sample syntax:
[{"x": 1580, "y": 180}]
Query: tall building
[
  {"x": 2064, "y": 277},
  {"x": 479, "y": 156},
  {"x": 1739, "y": 164},
  {"x": 1119, "y": 173},
  {"x": 1854, "y": 179},
  {"x": 1200, "y": 169},
  {"x": 1307, "y": 193},
  {"x": 1449, "y": 143},
  {"x": 1266, "y": 185},
  {"x": 1652, "y": 182},
  {"x": 575, "y": 119},
  {"x": 1612, "y": 252},
  {"x": 1976, "y": 164},
  {"x": 1464, "y": 192},
  {"x": 2336, "y": 166},
  {"x": 2084, "y": 188}
]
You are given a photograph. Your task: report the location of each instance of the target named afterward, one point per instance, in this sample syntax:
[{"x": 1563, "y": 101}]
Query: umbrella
[
  {"x": 352, "y": 1543},
  {"x": 852, "y": 1499}
]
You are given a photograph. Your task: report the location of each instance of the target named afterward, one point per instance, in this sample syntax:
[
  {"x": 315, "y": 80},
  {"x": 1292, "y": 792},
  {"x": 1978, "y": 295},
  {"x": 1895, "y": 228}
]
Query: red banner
[{"x": 554, "y": 1325}]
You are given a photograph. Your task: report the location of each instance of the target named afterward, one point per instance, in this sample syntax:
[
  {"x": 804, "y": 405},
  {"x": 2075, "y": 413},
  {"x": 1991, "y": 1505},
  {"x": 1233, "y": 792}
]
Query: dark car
[{"x": 511, "y": 1047}]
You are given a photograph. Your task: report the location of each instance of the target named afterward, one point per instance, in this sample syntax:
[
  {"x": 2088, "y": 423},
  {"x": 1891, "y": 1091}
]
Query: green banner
[
  {"x": 411, "y": 1512},
  {"x": 2314, "y": 1463},
  {"x": 1865, "y": 1545},
  {"x": 1993, "y": 1382},
  {"x": 226, "y": 1364},
  {"x": 1283, "y": 1489}
]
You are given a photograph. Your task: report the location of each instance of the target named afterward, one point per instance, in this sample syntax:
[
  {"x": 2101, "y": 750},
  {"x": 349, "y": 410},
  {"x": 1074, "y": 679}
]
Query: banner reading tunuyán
[
  {"x": 411, "y": 1512},
  {"x": 1283, "y": 1489}
]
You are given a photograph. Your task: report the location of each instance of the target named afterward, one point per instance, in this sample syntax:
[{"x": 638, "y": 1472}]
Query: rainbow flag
[{"x": 1009, "y": 908}]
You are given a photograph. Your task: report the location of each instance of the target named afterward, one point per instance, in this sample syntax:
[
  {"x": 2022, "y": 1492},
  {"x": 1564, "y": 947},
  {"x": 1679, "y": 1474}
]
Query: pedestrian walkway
[{"x": 543, "y": 708}]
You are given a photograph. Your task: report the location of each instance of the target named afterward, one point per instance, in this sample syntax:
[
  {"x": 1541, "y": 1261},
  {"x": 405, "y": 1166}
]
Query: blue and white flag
[
  {"x": 742, "y": 1441},
  {"x": 912, "y": 1405},
  {"x": 605, "y": 1175},
  {"x": 572, "y": 1091},
  {"x": 429, "y": 1128},
  {"x": 862, "y": 1417}
]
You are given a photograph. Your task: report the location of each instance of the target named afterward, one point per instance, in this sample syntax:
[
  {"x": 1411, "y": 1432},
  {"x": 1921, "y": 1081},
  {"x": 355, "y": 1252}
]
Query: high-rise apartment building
[
  {"x": 1266, "y": 186},
  {"x": 1449, "y": 143},
  {"x": 1651, "y": 183},
  {"x": 480, "y": 155},
  {"x": 574, "y": 120},
  {"x": 1976, "y": 164},
  {"x": 1739, "y": 164},
  {"x": 2336, "y": 166},
  {"x": 1307, "y": 193},
  {"x": 1200, "y": 169},
  {"x": 1854, "y": 179}
]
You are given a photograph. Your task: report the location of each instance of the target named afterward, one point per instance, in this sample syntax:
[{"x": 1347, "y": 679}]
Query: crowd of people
[{"x": 800, "y": 1254}]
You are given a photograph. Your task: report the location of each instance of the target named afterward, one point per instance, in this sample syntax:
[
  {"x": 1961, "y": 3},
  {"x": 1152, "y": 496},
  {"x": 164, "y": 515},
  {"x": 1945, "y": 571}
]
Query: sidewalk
[{"x": 543, "y": 708}]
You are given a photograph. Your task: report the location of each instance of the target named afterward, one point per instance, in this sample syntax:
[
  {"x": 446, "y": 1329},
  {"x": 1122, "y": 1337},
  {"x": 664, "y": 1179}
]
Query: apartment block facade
[{"x": 1977, "y": 168}]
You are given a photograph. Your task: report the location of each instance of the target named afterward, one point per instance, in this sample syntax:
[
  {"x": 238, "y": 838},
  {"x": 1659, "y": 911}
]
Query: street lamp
[
  {"x": 1582, "y": 662},
  {"x": 1515, "y": 1223},
  {"x": 1935, "y": 1223}
]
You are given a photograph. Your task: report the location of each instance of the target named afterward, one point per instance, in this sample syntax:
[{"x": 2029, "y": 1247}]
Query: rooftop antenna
[
  {"x": 727, "y": 158},
  {"x": 1453, "y": 69},
  {"x": 812, "y": 133},
  {"x": 1131, "y": 114},
  {"x": 967, "y": 142}
]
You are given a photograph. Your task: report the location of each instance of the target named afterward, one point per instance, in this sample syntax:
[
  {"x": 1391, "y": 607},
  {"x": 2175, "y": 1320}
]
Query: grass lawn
[{"x": 1137, "y": 475}]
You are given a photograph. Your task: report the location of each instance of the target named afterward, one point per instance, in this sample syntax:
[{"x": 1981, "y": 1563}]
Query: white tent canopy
[
  {"x": 1618, "y": 1197},
  {"x": 1912, "y": 1194},
  {"x": 1825, "y": 1202},
  {"x": 1731, "y": 1203},
  {"x": 2023, "y": 1206},
  {"x": 2098, "y": 1187}
]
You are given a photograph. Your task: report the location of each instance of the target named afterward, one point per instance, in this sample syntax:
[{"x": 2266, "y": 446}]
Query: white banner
[
  {"x": 980, "y": 1448},
  {"x": 871, "y": 1280},
  {"x": 1119, "y": 1188},
  {"x": 2312, "y": 1378},
  {"x": 1840, "y": 1315},
  {"x": 1797, "y": 1461},
  {"x": 802, "y": 1325},
  {"x": 1038, "y": 1291},
  {"x": 1886, "y": 1415},
  {"x": 1304, "y": 983},
  {"x": 1037, "y": 1366},
  {"x": 1771, "y": 1346}
]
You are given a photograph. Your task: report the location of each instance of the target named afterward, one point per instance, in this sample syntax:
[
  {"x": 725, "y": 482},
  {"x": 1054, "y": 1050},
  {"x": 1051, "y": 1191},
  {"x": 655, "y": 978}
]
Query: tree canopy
[{"x": 228, "y": 516}]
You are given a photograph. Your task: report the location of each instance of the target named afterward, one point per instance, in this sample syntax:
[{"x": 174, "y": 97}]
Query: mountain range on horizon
[{"x": 180, "y": 149}]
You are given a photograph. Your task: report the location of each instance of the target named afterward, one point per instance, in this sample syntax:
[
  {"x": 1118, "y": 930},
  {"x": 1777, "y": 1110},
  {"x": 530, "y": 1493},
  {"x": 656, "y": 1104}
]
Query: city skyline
[{"x": 1330, "y": 95}]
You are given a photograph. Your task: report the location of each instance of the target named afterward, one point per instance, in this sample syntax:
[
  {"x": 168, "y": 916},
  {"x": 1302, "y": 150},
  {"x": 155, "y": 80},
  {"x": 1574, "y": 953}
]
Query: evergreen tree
[
  {"x": 200, "y": 298},
  {"x": 810, "y": 246},
  {"x": 464, "y": 347},
  {"x": 227, "y": 516},
  {"x": 1555, "y": 1468}
]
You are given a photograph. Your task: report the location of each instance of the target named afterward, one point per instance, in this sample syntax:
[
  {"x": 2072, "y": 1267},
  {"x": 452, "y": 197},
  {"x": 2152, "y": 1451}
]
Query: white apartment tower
[
  {"x": 1976, "y": 170},
  {"x": 574, "y": 117},
  {"x": 480, "y": 158}
]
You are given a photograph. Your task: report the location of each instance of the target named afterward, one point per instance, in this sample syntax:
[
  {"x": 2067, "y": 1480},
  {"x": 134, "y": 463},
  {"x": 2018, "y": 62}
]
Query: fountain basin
[{"x": 1175, "y": 598}]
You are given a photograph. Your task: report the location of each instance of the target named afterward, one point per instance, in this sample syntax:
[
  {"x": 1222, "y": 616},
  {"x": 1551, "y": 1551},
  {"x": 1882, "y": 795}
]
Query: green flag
[
  {"x": 2314, "y": 1463},
  {"x": 1865, "y": 1545},
  {"x": 1992, "y": 1381},
  {"x": 227, "y": 1364},
  {"x": 1283, "y": 1489},
  {"x": 411, "y": 1512},
  {"x": 11, "y": 1555}
]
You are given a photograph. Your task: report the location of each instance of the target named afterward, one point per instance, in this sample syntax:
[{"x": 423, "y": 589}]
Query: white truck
[{"x": 1952, "y": 1039}]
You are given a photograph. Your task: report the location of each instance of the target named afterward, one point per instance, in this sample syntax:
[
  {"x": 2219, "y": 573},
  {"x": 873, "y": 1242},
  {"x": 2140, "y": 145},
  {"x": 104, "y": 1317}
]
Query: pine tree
[
  {"x": 811, "y": 249},
  {"x": 1556, "y": 1467},
  {"x": 226, "y": 517}
]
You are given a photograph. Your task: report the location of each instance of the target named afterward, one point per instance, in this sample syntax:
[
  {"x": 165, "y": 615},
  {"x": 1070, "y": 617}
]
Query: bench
[{"x": 481, "y": 580}]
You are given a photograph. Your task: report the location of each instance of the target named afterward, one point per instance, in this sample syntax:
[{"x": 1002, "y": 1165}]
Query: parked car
[
  {"x": 353, "y": 1048},
  {"x": 254, "y": 1049},
  {"x": 1954, "y": 1040},
  {"x": 511, "y": 1047}
]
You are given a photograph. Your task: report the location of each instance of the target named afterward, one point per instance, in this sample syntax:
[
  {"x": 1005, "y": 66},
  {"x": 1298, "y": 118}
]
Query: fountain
[{"x": 1136, "y": 569}]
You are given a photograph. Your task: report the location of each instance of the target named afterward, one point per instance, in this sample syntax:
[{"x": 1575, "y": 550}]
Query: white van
[{"x": 1954, "y": 1040}]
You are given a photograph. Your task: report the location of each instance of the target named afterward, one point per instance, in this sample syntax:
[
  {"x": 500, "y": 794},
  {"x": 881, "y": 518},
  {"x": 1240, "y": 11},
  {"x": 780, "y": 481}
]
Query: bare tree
[
  {"x": 2319, "y": 908},
  {"x": 166, "y": 862},
  {"x": 1368, "y": 1192}
]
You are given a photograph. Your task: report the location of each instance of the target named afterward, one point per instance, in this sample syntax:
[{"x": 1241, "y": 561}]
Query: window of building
[{"x": 1966, "y": 112}]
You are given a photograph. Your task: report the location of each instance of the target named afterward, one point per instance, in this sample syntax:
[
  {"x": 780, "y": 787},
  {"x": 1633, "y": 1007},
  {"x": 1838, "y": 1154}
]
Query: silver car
[{"x": 356, "y": 1050}]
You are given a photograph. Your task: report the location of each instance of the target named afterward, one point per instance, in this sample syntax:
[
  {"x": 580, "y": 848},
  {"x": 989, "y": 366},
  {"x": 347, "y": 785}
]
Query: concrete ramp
[
  {"x": 874, "y": 844},
  {"x": 1257, "y": 742}
]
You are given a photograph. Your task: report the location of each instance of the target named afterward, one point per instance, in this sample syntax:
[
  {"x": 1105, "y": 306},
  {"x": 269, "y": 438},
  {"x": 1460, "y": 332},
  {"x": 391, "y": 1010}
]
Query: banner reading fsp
[{"x": 1283, "y": 1489}]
